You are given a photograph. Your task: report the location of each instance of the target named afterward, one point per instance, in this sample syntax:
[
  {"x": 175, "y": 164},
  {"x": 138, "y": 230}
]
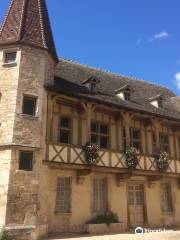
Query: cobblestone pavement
[{"x": 174, "y": 235}]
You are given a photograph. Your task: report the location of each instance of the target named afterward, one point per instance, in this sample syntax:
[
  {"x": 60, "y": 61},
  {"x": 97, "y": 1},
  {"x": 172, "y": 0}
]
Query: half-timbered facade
[{"x": 51, "y": 109}]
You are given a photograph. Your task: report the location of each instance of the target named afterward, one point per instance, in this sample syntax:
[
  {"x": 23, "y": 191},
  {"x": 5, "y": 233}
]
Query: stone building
[{"x": 50, "y": 109}]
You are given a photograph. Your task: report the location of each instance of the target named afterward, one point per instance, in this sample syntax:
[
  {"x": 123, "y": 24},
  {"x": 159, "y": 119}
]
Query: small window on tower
[
  {"x": 26, "y": 161},
  {"x": 10, "y": 57},
  {"x": 29, "y": 105}
]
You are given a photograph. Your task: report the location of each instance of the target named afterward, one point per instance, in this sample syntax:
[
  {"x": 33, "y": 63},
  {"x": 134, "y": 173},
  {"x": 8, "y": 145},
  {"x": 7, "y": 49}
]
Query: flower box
[{"x": 105, "y": 229}]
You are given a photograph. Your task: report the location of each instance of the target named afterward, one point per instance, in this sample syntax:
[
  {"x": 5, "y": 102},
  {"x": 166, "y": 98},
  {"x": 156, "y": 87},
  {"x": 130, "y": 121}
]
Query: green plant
[
  {"x": 4, "y": 235},
  {"x": 106, "y": 218},
  {"x": 91, "y": 153},
  {"x": 132, "y": 157},
  {"x": 162, "y": 161}
]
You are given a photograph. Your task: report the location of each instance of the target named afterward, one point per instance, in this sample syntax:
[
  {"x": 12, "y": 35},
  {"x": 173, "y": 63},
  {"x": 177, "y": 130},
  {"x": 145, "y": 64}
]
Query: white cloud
[
  {"x": 177, "y": 78},
  {"x": 159, "y": 36},
  {"x": 139, "y": 41}
]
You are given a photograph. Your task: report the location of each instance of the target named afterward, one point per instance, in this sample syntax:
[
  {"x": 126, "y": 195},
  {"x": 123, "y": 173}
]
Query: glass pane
[
  {"x": 103, "y": 142},
  {"x": 94, "y": 139},
  {"x": 131, "y": 198},
  {"x": 136, "y": 134},
  {"x": 154, "y": 138},
  {"x": 139, "y": 197},
  {"x": 127, "y": 95},
  {"x": 136, "y": 145},
  {"x": 25, "y": 162},
  {"x": 124, "y": 133},
  {"x": 130, "y": 187},
  {"x": 94, "y": 127},
  {"x": 10, "y": 57},
  {"x": 164, "y": 139},
  {"x": 29, "y": 106},
  {"x": 100, "y": 196},
  {"x": 104, "y": 129},
  {"x": 64, "y": 136},
  {"x": 63, "y": 198},
  {"x": 65, "y": 122}
]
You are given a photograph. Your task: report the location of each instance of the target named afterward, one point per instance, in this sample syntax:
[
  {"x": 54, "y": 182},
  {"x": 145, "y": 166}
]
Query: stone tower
[{"x": 27, "y": 61}]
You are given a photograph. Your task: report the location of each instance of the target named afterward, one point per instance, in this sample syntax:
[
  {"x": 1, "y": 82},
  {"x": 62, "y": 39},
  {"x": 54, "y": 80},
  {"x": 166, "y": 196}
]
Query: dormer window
[
  {"x": 127, "y": 95},
  {"x": 91, "y": 84},
  {"x": 124, "y": 93},
  {"x": 157, "y": 101}
]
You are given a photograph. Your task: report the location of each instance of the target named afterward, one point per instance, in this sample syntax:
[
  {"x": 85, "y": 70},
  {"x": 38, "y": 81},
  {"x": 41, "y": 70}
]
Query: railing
[{"x": 110, "y": 159}]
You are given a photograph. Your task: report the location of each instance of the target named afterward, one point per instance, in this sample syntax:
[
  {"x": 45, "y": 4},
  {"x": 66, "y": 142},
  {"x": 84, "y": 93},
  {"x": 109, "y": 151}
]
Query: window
[
  {"x": 135, "y": 195},
  {"x": 100, "y": 195},
  {"x": 154, "y": 142},
  {"x": 65, "y": 130},
  {"x": 160, "y": 103},
  {"x": 10, "y": 57},
  {"x": 100, "y": 134},
  {"x": 164, "y": 142},
  {"x": 29, "y": 105},
  {"x": 166, "y": 197},
  {"x": 124, "y": 139},
  {"x": 127, "y": 95},
  {"x": 26, "y": 161},
  {"x": 63, "y": 195},
  {"x": 135, "y": 135}
]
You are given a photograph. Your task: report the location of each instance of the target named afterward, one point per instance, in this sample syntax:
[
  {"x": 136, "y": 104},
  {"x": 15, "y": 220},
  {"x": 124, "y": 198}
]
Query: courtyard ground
[{"x": 174, "y": 235}]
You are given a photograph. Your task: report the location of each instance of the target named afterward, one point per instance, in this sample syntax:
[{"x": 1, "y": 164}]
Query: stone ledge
[
  {"x": 105, "y": 229},
  {"x": 22, "y": 232},
  {"x": 19, "y": 227}
]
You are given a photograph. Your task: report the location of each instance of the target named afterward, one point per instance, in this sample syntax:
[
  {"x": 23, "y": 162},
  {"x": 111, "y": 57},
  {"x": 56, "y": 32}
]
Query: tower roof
[{"x": 27, "y": 22}]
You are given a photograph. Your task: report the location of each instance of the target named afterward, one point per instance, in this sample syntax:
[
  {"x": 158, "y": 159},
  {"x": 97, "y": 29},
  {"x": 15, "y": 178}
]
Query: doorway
[{"x": 136, "y": 205}]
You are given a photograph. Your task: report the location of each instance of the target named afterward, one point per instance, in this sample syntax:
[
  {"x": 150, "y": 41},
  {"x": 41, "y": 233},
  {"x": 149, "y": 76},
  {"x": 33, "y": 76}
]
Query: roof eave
[{"x": 51, "y": 89}]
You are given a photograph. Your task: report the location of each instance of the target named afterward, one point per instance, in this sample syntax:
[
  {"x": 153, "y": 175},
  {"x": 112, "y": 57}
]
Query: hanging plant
[
  {"x": 132, "y": 157},
  {"x": 91, "y": 153},
  {"x": 162, "y": 160}
]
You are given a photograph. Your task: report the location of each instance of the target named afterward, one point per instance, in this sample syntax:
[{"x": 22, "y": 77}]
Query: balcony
[{"x": 108, "y": 159}]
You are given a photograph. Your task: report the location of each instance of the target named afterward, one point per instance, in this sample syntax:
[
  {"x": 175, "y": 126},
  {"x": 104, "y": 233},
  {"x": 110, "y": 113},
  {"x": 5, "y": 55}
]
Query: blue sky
[{"x": 139, "y": 38}]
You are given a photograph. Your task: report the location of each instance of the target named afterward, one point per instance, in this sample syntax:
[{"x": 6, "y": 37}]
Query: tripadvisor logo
[{"x": 139, "y": 230}]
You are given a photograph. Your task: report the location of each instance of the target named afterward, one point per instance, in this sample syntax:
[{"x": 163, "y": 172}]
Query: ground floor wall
[
  {"x": 81, "y": 203},
  {"x": 28, "y": 199},
  {"x": 118, "y": 201}
]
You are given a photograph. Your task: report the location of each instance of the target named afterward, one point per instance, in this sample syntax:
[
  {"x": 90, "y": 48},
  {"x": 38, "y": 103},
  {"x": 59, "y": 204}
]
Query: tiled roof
[
  {"x": 70, "y": 76},
  {"x": 27, "y": 22}
]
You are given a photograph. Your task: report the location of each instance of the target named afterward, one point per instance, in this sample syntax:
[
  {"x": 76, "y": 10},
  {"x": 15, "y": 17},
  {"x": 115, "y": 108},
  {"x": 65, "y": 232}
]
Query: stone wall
[
  {"x": 9, "y": 76},
  {"x": 5, "y": 160},
  {"x": 22, "y": 193}
]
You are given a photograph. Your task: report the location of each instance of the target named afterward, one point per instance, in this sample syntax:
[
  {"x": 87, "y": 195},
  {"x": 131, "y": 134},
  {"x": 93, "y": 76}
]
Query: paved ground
[{"x": 174, "y": 235}]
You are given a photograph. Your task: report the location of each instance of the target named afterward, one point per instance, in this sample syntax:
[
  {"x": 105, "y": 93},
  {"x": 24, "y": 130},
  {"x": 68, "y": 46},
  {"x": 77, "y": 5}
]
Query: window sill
[
  {"x": 12, "y": 64},
  {"x": 63, "y": 214},
  {"x": 170, "y": 213},
  {"x": 30, "y": 173},
  {"x": 29, "y": 117}
]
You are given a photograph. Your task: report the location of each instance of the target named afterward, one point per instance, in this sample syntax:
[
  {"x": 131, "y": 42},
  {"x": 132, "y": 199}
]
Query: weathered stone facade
[
  {"x": 20, "y": 196},
  {"x": 28, "y": 199}
]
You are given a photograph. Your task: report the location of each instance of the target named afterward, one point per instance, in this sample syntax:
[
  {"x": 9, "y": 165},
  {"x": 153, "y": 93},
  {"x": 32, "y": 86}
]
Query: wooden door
[{"x": 136, "y": 205}]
